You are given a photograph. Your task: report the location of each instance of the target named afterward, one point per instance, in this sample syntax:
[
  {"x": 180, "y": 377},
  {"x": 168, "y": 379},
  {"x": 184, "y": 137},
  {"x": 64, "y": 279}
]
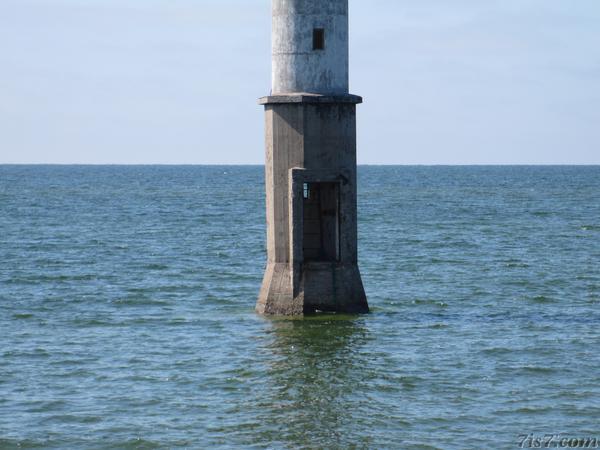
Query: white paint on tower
[{"x": 310, "y": 47}]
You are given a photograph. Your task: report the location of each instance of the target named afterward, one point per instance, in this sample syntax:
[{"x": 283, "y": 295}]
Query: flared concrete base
[{"x": 327, "y": 287}]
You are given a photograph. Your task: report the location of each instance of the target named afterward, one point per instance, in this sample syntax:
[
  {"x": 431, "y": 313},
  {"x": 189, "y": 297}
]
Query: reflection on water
[{"x": 316, "y": 369}]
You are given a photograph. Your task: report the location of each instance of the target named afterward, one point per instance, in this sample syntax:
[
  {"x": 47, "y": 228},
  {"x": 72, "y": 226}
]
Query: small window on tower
[{"x": 319, "y": 39}]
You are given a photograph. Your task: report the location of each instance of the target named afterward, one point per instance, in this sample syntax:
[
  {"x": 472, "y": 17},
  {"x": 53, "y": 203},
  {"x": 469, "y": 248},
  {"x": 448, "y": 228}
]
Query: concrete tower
[{"x": 311, "y": 164}]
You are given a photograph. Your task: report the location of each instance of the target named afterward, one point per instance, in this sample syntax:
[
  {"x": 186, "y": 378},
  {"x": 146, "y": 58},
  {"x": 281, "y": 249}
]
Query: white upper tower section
[{"x": 310, "y": 47}]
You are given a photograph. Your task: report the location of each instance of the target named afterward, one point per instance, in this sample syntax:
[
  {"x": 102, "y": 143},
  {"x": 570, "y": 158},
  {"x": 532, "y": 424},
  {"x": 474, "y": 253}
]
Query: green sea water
[{"x": 127, "y": 312}]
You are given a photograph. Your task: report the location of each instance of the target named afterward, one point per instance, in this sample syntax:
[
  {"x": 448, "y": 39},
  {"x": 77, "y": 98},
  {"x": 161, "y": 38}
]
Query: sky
[{"x": 177, "y": 81}]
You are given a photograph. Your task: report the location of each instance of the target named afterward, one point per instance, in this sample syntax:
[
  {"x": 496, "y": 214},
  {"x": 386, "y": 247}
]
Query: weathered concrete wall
[
  {"x": 310, "y": 142},
  {"x": 312, "y": 137},
  {"x": 296, "y": 66}
]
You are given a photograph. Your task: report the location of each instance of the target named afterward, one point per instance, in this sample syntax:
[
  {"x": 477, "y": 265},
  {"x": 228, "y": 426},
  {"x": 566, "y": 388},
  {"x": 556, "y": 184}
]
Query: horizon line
[{"x": 262, "y": 164}]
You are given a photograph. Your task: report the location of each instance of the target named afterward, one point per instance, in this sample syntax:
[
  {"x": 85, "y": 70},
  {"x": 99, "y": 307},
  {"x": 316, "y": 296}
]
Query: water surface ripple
[{"x": 127, "y": 321}]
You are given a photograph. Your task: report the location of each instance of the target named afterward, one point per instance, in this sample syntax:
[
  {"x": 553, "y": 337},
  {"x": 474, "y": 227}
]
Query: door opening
[{"x": 321, "y": 214}]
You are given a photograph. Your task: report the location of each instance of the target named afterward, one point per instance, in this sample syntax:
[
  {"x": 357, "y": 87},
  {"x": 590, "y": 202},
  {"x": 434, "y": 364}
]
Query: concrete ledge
[{"x": 309, "y": 98}]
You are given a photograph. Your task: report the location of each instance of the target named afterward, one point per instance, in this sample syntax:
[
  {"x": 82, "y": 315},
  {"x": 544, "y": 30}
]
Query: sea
[{"x": 127, "y": 319}]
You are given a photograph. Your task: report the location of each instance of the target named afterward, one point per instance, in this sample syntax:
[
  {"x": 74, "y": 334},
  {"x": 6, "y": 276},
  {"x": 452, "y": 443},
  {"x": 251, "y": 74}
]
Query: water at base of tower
[{"x": 127, "y": 312}]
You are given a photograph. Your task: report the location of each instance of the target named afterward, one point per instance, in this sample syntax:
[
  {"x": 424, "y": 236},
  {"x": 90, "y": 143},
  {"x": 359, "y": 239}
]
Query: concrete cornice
[{"x": 309, "y": 98}]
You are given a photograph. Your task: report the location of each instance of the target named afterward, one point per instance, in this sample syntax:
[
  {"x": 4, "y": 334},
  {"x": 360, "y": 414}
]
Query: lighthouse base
[
  {"x": 311, "y": 206},
  {"x": 320, "y": 287}
]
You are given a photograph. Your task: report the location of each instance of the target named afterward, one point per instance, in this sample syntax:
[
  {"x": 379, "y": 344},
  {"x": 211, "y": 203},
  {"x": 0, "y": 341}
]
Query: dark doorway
[{"x": 321, "y": 233}]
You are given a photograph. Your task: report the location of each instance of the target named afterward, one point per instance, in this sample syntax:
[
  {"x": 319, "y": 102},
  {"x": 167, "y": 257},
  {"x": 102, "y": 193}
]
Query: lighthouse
[{"x": 311, "y": 184}]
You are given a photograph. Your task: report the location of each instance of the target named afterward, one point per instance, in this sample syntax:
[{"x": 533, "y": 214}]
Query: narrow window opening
[{"x": 319, "y": 39}]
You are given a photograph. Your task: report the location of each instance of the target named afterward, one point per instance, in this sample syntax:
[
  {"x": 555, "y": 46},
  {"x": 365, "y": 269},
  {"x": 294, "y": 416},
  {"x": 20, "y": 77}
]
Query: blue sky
[{"x": 176, "y": 81}]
